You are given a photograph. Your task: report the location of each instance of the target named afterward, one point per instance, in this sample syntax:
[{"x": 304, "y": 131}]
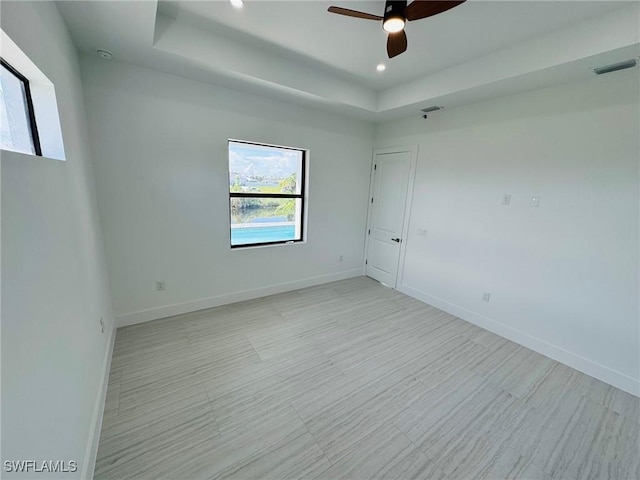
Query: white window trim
[
  {"x": 43, "y": 96},
  {"x": 305, "y": 217}
]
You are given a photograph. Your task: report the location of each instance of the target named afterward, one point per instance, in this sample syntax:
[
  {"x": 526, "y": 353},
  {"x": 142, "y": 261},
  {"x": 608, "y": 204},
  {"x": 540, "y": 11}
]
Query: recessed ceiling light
[
  {"x": 381, "y": 67},
  {"x": 237, "y": 3}
]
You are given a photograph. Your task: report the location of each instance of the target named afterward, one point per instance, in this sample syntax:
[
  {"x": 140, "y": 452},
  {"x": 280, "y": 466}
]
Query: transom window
[
  {"x": 18, "y": 132},
  {"x": 266, "y": 194}
]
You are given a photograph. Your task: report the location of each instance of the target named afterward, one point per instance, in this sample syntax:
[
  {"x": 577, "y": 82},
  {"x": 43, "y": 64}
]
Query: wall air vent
[
  {"x": 431, "y": 109},
  {"x": 615, "y": 67}
]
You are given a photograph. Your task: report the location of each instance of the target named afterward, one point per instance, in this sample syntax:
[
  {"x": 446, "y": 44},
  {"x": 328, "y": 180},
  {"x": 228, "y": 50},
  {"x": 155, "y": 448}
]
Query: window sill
[
  {"x": 271, "y": 245},
  {"x": 4, "y": 153}
]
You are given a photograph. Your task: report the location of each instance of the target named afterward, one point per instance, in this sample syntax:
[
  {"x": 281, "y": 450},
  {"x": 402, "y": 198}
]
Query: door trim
[{"x": 413, "y": 156}]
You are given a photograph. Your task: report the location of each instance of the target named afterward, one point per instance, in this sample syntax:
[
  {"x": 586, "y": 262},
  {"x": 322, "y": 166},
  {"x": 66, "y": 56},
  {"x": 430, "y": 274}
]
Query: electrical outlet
[
  {"x": 486, "y": 296},
  {"x": 421, "y": 232},
  {"x": 506, "y": 199},
  {"x": 160, "y": 285},
  {"x": 101, "y": 325},
  {"x": 535, "y": 201}
]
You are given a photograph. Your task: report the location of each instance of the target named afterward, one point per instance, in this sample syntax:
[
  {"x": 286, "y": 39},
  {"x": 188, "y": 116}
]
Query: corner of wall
[{"x": 96, "y": 424}]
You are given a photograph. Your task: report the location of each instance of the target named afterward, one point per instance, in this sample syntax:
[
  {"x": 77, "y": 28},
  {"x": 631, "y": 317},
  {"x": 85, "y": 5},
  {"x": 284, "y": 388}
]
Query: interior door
[{"x": 389, "y": 196}]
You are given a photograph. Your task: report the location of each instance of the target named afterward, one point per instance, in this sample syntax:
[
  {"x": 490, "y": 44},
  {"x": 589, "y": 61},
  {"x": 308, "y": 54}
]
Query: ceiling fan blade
[
  {"x": 353, "y": 13},
  {"x": 396, "y": 43},
  {"x": 427, "y": 8}
]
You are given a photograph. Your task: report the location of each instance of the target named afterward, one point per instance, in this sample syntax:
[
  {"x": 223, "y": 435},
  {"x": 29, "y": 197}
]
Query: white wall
[
  {"x": 54, "y": 281},
  {"x": 160, "y": 146},
  {"x": 563, "y": 277}
]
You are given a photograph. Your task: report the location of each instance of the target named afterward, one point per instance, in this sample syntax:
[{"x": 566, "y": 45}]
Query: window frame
[
  {"x": 300, "y": 196},
  {"x": 31, "y": 115},
  {"x": 33, "y": 127}
]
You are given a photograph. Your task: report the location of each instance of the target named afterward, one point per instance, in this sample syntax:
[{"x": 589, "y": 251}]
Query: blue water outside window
[{"x": 266, "y": 194}]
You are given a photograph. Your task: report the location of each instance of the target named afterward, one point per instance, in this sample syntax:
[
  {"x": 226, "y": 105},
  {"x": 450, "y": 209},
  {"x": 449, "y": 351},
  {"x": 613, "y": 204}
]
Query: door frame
[{"x": 413, "y": 156}]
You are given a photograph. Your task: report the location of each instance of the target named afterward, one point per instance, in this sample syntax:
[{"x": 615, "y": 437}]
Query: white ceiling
[
  {"x": 296, "y": 50},
  {"x": 356, "y": 46}
]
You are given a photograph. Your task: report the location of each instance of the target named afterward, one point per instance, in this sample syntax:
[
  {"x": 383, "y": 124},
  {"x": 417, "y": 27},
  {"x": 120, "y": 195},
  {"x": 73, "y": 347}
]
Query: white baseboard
[
  {"x": 210, "y": 302},
  {"x": 91, "y": 450},
  {"x": 573, "y": 360}
]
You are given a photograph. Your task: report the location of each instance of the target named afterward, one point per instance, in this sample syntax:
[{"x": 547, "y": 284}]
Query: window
[
  {"x": 266, "y": 194},
  {"x": 19, "y": 132}
]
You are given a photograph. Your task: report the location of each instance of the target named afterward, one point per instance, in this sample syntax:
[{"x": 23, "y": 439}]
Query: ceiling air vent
[
  {"x": 614, "y": 67},
  {"x": 430, "y": 109}
]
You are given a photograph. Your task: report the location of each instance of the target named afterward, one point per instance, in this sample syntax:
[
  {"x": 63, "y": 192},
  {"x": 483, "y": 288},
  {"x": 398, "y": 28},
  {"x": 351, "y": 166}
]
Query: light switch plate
[{"x": 535, "y": 201}]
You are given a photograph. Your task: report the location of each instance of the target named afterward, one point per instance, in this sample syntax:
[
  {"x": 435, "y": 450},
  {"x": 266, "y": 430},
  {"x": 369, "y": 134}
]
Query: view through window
[
  {"x": 18, "y": 131},
  {"x": 266, "y": 194}
]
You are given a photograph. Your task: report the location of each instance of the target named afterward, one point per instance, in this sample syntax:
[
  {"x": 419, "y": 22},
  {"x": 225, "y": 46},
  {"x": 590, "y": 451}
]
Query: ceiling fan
[{"x": 396, "y": 15}]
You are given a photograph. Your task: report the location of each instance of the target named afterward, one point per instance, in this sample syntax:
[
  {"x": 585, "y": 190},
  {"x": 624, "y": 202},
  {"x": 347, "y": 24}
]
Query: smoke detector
[{"x": 104, "y": 54}]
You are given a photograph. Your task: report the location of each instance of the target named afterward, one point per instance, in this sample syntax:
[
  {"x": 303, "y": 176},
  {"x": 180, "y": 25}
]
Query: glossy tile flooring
[{"x": 352, "y": 380}]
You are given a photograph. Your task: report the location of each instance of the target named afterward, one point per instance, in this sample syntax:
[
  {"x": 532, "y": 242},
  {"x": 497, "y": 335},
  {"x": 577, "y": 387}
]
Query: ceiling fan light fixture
[
  {"x": 396, "y": 14},
  {"x": 381, "y": 67},
  {"x": 394, "y": 19},
  {"x": 393, "y": 24},
  {"x": 237, "y": 3}
]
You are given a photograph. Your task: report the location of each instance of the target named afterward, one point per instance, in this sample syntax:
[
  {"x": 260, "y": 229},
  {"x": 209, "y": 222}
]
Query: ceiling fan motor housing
[{"x": 394, "y": 9}]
